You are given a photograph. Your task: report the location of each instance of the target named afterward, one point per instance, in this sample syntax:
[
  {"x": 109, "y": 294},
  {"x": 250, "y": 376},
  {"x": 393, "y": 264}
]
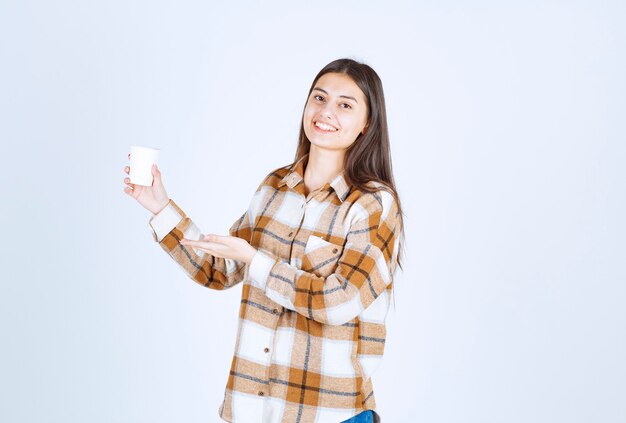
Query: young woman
[{"x": 316, "y": 251}]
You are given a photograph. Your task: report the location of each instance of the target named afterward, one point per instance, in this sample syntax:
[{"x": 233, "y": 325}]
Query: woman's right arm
[{"x": 170, "y": 224}]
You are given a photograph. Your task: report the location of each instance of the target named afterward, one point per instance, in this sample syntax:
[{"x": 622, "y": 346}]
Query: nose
[{"x": 328, "y": 111}]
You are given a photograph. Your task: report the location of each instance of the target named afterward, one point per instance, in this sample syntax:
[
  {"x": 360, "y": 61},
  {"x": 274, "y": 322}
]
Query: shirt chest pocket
[{"x": 320, "y": 256}]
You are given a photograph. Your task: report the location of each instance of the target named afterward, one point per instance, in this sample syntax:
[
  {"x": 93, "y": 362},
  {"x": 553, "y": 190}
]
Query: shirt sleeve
[
  {"x": 171, "y": 225},
  {"x": 365, "y": 269}
]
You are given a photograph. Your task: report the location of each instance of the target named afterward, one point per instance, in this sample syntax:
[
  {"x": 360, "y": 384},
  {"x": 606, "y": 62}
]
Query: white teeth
[{"x": 325, "y": 127}]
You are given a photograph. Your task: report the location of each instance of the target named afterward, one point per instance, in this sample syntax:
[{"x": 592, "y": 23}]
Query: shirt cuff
[
  {"x": 164, "y": 221},
  {"x": 260, "y": 268}
]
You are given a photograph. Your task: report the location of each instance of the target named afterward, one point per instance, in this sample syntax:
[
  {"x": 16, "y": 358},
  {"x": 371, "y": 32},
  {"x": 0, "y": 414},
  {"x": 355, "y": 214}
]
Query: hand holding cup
[{"x": 153, "y": 197}]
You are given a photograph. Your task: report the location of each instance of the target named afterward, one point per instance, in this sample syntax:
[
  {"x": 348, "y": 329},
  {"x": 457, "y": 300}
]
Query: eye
[
  {"x": 346, "y": 104},
  {"x": 318, "y": 97}
]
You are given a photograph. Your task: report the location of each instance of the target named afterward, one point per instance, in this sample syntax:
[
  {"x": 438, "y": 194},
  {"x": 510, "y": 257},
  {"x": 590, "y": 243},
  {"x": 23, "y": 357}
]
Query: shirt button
[
  {"x": 275, "y": 311},
  {"x": 335, "y": 250},
  {"x": 261, "y": 393},
  {"x": 290, "y": 234},
  {"x": 266, "y": 349}
]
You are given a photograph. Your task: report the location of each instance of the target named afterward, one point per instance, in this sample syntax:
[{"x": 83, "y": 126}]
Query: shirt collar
[{"x": 296, "y": 175}]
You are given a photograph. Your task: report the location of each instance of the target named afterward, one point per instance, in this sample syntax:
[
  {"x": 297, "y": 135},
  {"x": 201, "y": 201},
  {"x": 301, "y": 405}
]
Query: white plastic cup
[{"x": 141, "y": 161}]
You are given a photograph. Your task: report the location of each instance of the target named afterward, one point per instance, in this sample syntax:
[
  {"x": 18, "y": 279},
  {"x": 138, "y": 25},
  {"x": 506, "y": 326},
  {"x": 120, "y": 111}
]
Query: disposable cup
[{"x": 141, "y": 160}]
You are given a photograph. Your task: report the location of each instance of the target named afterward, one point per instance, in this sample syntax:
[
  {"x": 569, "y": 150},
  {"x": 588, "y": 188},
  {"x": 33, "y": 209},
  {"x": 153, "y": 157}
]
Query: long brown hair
[{"x": 369, "y": 157}]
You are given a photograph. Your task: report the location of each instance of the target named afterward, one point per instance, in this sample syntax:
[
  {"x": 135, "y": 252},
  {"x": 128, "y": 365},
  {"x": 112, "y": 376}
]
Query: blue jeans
[{"x": 365, "y": 417}]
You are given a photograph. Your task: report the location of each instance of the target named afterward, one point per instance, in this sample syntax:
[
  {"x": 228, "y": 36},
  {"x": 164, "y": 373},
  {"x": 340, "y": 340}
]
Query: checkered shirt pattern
[{"x": 314, "y": 297}]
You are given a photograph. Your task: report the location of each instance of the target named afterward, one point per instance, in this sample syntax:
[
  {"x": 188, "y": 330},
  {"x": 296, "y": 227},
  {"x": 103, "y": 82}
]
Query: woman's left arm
[{"x": 365, "y": 269}]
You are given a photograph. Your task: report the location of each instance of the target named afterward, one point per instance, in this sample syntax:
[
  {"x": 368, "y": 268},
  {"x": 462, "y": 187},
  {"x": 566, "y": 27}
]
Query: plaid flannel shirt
[{"x": 314, "y": 300}]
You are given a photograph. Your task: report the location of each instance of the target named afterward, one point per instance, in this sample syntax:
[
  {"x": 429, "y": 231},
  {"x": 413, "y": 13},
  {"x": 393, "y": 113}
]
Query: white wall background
[{"x": 508, "y": 138}]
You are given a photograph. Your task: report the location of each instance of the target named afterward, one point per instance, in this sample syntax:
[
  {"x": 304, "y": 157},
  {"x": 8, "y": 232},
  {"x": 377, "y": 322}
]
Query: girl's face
[{"x": 335, "y": 112}]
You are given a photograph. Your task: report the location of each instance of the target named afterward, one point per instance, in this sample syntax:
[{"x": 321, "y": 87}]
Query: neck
[{"x": 322, "y": 166}]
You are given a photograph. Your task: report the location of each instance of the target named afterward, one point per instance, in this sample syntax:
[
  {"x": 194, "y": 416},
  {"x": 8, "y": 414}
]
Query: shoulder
[
  {"x": 276, "y": 175},
  {"x": 378, "y": 203},
  {"x": 273, "y": 178}
]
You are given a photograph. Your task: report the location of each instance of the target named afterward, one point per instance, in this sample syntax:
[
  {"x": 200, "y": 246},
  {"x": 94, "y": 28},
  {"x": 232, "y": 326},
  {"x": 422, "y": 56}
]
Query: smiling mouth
[{"x": 325, "y": 127}]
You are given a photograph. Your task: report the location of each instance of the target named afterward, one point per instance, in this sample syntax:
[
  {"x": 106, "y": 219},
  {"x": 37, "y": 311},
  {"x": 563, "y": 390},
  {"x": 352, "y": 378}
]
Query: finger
[
  {"x": 127, "y": 169},
  {"x": 128, "y": 183},
  {"x": 129, "y": 155},
  {"x": 215, "y": 238}
]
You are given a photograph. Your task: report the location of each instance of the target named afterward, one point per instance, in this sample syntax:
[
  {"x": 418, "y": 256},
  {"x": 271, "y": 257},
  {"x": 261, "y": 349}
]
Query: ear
[{"x": 365, "y": 128}]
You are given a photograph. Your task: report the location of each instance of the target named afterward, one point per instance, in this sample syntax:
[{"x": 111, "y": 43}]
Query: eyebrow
[{"x": 343, "y": 96}]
